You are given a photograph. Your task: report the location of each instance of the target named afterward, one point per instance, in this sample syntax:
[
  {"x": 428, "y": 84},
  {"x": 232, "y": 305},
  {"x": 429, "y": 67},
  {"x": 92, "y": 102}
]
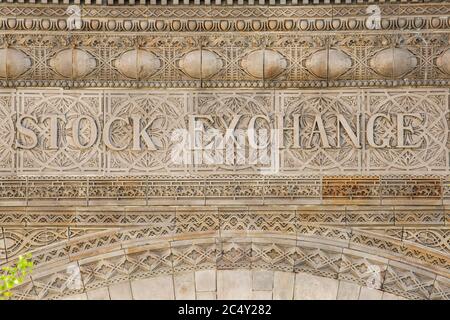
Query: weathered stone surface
[
  {"x": 328, "y": 64},
  {"x": 393, "y": 62},
  {"x": 309, "y": 287},
  {"x": 390, "y": 296},
  {"x": 206, "y": 295},
  {"x": 283, "y": 285},
  {"x": 138, "y": 64},
  {"x": 157, "y": 288},
  {"x": 81, "y": 296},
  {"x": 443, "y": 61},
  {"x": 13, "y": 63},
  {"x": 73, "y": 63},
  {"x": 264, "y": 64},
  {"x": 262, "y": 280},
  {"x": 184, "y": 286},
  {"x": 98, "y": 294},
  {"x": 205, "y": 280},
  {"x": 261, "y": 295},
  {"x": 200, "y": 64},
  {"x": 354, "y": 191},
  {"x": 348, "y": 291},
  {"x": 370, "y": 294},
  {"x": 234, "y": 285},
  {"x": 120, "y": 291}
]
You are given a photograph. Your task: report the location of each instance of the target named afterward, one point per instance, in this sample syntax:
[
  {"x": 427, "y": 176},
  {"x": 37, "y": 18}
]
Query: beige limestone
[
  {"x": 234, "y": 284},
  {"x": 283, "y": 285},
  {"x": 205, "y": 280},
  {"x": 262, "y": 280},
  {"x": 98, "y": 294},
  {"x": 206, "y": 295},
  {"x": 370, "y": 294},
  {"x": 309, "y": 287},
  {"x": 120, "y": 291},
  {"x": 348, "y": 291},
  {"x": 261, "y": 295},
  {"x": 184, "y": 286},
  {"x": 157, "y": 288}
]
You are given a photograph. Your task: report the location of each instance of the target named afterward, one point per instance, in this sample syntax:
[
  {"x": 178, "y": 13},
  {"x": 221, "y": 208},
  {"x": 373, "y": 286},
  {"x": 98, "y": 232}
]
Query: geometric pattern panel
[
  {"x": 428, "y": 193},
  {"x": 325, "y": 132}
]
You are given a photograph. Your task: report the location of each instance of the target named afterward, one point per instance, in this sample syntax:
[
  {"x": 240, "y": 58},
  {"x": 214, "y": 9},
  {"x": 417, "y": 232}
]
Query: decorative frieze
[
  {"x": 225, "y": 18},
  {"x": 132, "y": 132},
  {"x": 221, "y": 60}
]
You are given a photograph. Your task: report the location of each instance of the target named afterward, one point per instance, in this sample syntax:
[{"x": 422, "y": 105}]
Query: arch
[
  {"x": 350, "y": 257},
  {"x": 235, "y": 284}
]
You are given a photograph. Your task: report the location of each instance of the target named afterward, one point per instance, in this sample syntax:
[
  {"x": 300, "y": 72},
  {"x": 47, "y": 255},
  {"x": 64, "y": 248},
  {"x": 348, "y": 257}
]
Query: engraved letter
[
  {"x": 229, "y": 132},
  {"x": 370, "y": 133},
  {"x": 27, "y": 132},
  {"x": 295, "y": 131},
  {"x": 93, "y": 132},
  {"x": 196, "y": 140},
  {"x": 354, "y": 137},
  {"x": 107, "y": 134},
  {"x": 54, "y": 129},
  {"x": 318, "y": 122},
  {"x": 401, "y": 129},
  {"x": 138, "y": 133}
]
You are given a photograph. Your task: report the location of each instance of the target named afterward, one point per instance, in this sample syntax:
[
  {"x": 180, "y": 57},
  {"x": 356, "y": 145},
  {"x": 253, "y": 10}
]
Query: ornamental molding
[
  {"x": 228, "y": 60},
  {"x": 224, "y": 19},
  {"x": 187, "y": 3},
  {"x": 425, "y": 226},
  {"x": 228, "y": 190}
]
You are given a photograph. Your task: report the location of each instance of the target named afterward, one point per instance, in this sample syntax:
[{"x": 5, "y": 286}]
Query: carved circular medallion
[
  {"x": 13, "y": 63},
  {"x": 73, "y": 63},
  {"x": 200, "y": 64},
  {"x": 443, "y": 61},
  {"x": 393, "y": 62},
  {"x": 138, "y": 64},
  {"x": 264, "y": 64},
  {"x": 328, "y": 63}
]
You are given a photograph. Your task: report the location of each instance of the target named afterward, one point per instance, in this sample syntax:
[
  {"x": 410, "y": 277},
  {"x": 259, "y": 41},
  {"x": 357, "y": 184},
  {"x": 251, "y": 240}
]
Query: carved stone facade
[{"x": 98, "y": 182}]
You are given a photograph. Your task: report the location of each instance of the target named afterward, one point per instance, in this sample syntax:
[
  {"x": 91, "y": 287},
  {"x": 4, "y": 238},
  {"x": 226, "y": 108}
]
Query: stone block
[
  {"x": 262, "y": 295},
  {"x": 80, "y": 296},
  {"x": 348, "y": 291},
  {"x": 184, "y": 286},
  {"x": 205, "y": 280},
  {"x": 120, "y": 291},
  {"x": 234, "y": 284},
  {"x": 370, "y": 294},
  {"x": 262, "y": 280},
  {"x": 206, "y": 295},
  {"x": 309, "y": 287},
  {"x": 283, "y": 285},
  {"x": 390, "y": 296},
  {"x": 156, "y": 288},
  {"x": 98, "y": 294}
]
